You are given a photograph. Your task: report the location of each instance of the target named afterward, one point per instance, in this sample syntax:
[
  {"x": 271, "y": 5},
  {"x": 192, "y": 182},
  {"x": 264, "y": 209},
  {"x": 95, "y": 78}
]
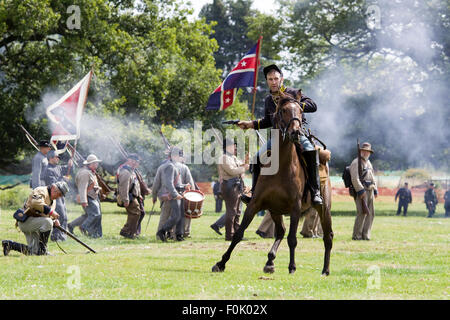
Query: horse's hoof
[
  {"x": 292, "y": 271},
  {"x": 269, "y": 269},
  {"x": 216, "y": 268},
  {"x": 325, "y": 273}
]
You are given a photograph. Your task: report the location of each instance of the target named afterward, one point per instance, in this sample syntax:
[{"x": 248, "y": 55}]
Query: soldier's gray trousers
[
  {"x": 32, "y": 227},
  {"x": 91, "y": 222},
  {"x": 58, "y": 235},
  {"x": 363, "y": 223},
  {"x": 176, "y": 218}
]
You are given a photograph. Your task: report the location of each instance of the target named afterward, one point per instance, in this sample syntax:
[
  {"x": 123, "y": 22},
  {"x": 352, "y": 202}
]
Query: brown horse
[{"x": 283, "y": 192}]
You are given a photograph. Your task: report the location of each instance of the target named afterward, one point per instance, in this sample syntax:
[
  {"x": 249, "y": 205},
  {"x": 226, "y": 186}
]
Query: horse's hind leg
[
  {"x": 292, "y": 238},
  {"x": 279, "y": 234},
  {"x": 249, "y": 214}
]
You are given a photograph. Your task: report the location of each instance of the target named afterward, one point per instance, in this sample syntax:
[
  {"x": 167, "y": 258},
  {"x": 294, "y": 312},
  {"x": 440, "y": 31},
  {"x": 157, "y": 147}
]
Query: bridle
[{"x": 281, "y": 124}]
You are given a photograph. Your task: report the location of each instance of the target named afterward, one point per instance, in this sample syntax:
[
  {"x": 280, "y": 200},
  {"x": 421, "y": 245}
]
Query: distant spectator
[
  {"x": 431, "y": 200},
  {"x": 405, "y": 198},
  {"x": 447, "y": 203}
]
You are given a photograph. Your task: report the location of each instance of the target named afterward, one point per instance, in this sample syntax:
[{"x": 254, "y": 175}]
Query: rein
[{"x": 282, "y": 124}]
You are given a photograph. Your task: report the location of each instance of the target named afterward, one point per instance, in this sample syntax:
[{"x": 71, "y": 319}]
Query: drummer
[
  {"x": 170, "y": 190},
  {"x": 231, "y": 170},
  {"x": 188, "y": 182}
]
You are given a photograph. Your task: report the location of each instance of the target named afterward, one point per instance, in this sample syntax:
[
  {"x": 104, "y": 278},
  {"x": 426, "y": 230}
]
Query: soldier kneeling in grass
[{"x": 36, "y": 219}]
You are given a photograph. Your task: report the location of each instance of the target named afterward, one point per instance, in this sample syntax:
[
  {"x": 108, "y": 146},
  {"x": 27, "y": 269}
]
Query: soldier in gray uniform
[
  {"x": 170, "y": 191},
  {"x": 161, "y": 193},
  {"x": 39, "y": 165},
  {"x": 88, "y": 189},
  {"x": 53, "y": 174},
  {"x": 187, "y": 182}
]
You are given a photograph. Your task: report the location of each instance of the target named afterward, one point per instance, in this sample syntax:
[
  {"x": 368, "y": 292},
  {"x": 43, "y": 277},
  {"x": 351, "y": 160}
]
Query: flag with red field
[
  {"x": 243, "y": 75},
  {"x": 65, "y": 114}
]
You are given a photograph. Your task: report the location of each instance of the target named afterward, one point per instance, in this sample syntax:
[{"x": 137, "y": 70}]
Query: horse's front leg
[
  {"x": 292, "y": 237},
  {"x": 325, "y": 220},
  {"x": 279, "y": 235},
  {"x": 249, "y": 214}
]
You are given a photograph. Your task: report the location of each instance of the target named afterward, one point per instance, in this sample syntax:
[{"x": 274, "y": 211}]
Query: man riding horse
[{"x": 274, "y": 78}]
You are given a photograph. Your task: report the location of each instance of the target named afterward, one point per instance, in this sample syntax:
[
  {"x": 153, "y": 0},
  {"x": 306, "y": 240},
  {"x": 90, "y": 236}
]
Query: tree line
[{"x": 155, "y": 61}]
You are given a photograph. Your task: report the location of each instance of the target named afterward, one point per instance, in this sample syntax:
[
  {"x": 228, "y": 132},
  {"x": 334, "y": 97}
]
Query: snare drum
[{"x": 193, "y": 202}]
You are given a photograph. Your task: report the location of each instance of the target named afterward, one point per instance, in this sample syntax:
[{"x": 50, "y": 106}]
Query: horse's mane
[{"x": 286, "y": 97}]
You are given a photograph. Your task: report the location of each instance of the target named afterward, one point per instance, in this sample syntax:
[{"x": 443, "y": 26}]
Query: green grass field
[{"x": 407, "y": 258}]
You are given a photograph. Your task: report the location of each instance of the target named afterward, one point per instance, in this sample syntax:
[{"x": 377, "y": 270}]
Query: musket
[
  {"x": 166, "y": 142},
  {"x": 74, "y": 238},
  {"x": 30, "y": 138},
  {"x": 149, "y": 216},
  {"x": 364, "y": 206}
]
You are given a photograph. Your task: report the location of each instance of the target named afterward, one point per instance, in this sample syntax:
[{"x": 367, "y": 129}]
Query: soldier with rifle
[
  {"x": 55, "y": 173},
  {"x": 129, "y": 195},
  {"x": 36, "y": 219},
  {"x": 39, "y": 165},
  {"x": 171, "y": 190},
  {"x": 363, "y": 180}
]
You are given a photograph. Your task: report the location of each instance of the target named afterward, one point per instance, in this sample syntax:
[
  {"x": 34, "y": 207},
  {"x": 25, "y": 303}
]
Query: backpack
[{"x": 346, "y": 176}]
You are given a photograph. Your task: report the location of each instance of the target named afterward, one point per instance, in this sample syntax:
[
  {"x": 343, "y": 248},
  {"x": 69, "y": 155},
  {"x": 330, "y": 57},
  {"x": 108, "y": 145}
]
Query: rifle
[
  {"x": 364, "y": 206},
  {"x": 30, "y": 138},
  {"x": 149, "y": 216},
  {"x": 166, "y": 142},
  {"x": 75, "y": 238}
]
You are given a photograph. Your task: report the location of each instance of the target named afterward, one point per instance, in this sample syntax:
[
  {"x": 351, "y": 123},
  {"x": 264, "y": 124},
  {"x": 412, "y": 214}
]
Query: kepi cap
[
  {"x": 134, "y": 156},
  {"x": 52, "y": 154},
  {"x": 44, "y": 143},
  {"x": 63, "y": 187},
  {"x": 271, "y": 67}
]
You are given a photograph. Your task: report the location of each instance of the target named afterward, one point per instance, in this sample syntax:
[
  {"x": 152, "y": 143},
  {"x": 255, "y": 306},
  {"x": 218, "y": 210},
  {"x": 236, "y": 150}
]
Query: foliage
[
  {"x": 14, "y": 198},
  {"x": 417, "y": 173},
  {"x": 148, "y": 59}
]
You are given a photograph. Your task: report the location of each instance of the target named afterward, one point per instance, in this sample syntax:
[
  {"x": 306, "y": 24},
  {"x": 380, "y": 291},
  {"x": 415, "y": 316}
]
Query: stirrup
[
  {"x": 245, "y": 199},
  {"x": 316, "y": 199}
]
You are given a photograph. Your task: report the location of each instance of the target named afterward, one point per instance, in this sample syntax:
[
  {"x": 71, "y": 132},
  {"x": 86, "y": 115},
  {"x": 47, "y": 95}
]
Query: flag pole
[{"x": 256, "y": 77}]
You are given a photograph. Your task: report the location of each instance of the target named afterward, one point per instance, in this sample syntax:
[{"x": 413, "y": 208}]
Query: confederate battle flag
[
  {"x": 65, "y": 114},
  {"x": 243, "y": 75}
]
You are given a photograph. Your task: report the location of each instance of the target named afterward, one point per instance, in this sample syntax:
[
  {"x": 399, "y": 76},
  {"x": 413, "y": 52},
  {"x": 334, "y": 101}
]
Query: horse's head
[{"x": 288, "y": 117}]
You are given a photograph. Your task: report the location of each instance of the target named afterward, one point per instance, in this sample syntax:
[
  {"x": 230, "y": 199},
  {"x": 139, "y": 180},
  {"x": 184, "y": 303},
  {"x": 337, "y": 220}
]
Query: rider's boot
[{"x": 312, "y": 164}]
